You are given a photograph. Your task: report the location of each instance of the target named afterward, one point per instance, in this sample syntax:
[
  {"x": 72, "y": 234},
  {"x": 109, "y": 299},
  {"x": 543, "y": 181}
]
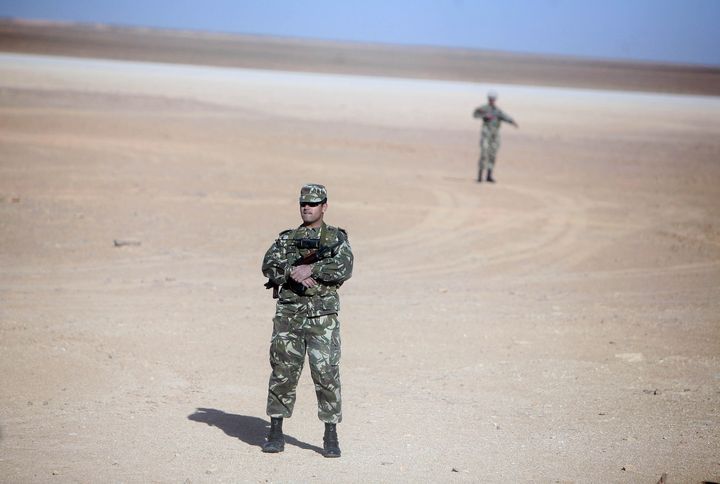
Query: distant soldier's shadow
[{"x": 251, "y": 430}]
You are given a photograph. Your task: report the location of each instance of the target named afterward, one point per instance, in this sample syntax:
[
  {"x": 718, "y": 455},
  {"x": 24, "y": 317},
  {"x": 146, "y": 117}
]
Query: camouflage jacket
[
  {"x": 492, "y": 116},
  {"x": 334, "y": 267}
]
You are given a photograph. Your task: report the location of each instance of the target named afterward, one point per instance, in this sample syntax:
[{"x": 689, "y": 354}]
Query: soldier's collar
[{"x": 322, "y": 230}]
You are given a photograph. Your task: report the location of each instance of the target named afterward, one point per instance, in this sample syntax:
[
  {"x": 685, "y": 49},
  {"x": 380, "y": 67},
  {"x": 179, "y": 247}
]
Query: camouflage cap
[
  {"x": 492, "y": 94},
  {"x": 313, "y": 193}
]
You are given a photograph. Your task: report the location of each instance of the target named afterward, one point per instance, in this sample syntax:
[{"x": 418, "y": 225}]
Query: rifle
[{"x": 311, "y": 258}]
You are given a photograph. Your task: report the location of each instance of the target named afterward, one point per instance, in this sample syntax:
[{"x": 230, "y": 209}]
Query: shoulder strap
[{"x": 332, "y": 236}]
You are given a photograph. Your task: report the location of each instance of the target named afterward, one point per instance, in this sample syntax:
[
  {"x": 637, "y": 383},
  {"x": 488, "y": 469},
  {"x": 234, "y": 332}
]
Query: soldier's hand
[
  {"x": 309, "y": 282},
  {"x": 300, "y": 273}
]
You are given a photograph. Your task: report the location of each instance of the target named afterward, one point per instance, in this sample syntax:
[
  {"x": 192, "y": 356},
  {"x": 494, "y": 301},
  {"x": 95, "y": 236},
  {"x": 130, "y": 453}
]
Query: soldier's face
[
  {"x": 491, "y": 101},
  {"x": 312, "y": 213}
]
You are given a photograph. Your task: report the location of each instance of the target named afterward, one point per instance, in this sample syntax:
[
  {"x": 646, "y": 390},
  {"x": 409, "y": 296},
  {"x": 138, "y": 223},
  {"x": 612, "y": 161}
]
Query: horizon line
[{"x": 99, "y": 26}]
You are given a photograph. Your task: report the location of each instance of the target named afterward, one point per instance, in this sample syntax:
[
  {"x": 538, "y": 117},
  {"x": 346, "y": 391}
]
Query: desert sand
[
  {"x": 562, "y": 325},
  {"x": 102, "y": 41}
]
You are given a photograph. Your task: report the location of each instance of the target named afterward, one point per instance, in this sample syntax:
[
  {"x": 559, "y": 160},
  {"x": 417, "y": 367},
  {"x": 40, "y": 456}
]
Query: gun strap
[{"x": 330, "y": 238}]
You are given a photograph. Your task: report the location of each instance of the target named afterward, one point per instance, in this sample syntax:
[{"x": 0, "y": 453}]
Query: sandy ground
[
  {"x": 101, "y": 41},
  {"x": 559, "y": 326}
]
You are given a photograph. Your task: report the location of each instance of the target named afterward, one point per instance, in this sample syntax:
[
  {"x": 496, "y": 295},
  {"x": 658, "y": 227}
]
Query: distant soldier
[
  {"x": 305, "y": 267},
  {"x": 492, "y": 116}
]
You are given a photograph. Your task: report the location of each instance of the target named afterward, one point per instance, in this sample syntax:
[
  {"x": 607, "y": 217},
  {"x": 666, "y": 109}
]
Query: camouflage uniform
[
  {"x": 492, "y": 116},
  {"x": 306, "y": 320}
]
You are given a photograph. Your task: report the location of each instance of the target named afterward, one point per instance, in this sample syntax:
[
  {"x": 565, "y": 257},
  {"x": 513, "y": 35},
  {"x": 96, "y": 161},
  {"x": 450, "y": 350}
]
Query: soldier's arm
[
  {"x": 337, "y": 268},
  {"x": 507, "y": 119},
  {"x": 479, "y": 113},
  {"x": 275, "y": 265}
]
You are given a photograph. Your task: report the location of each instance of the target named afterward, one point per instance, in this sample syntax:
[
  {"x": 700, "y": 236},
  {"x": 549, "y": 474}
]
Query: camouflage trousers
[
  {"x": 489, "y": 146},
  {"x": 294, "y": 335}
]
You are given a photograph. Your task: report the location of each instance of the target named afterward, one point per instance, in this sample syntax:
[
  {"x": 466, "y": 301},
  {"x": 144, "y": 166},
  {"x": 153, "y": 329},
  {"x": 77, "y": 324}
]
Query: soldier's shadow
[{"x": 251, "y": 430}]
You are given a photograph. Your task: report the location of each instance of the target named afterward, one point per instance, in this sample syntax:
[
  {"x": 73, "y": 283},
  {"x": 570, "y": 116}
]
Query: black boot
[
  {"x": 489, "y": 177},
  {"x": 331, "y": 446},
  {"x": 275, "y": 438},
  {"x": 479, "y": 176}
]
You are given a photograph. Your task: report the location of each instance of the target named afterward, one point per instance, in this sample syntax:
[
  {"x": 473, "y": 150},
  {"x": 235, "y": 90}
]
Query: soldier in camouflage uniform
[
  {"x": 306, "y": 266},
  {"x": 492, "y": 116}
]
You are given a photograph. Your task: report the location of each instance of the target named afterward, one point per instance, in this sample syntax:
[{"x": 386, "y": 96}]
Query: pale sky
[{"x": 678, "y": 31}]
